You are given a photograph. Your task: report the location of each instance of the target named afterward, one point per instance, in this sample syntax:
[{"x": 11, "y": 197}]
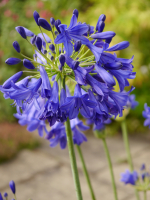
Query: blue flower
[
  {"x": 46, "y": 87},
  {"x": 25, "y": 93},
  {"x": 146, "y": 114},
  {"x": 129, "y": 178},
  {"x": 31, "y": 114},
  {"x": 78, "y": 101},
  {"x": 131, "y": 102},
  {"x": 73, "y": 32},
  {"x": 1, "y": 198},
  {"x": 51, "y": 106}
]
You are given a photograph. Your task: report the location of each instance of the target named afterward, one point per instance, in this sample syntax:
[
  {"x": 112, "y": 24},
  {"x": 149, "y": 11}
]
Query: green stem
[
  {"x": 86, "y": 172},
  {"x": 73, "y": 159},
  {"x": 145, "y": 196},
  {"x": 110, "y": 168},
  {"x": 127, "y": 146}
]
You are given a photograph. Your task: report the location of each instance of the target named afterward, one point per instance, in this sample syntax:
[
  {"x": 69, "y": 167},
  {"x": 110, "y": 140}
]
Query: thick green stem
[
  {"x": 73, "y": 160},
  {"x": 145, "y": 196},
  {"x": 110, "y": 168},
  {"x": 127, "y": 146},
  {"x": 86, "y": 172}
]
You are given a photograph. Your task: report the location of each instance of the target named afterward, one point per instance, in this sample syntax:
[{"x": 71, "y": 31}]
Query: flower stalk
[
  {"x": 73, "y": 160},
  {"x": 110, "y": 168},
  {"x": 127, "y": 147},
  {"x": 86, "y": 173}
]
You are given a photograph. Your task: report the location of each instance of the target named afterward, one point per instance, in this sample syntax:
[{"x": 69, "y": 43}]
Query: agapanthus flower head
[
  {"x": 73, "y": 72},
  {"x": 146, "y": 114}
]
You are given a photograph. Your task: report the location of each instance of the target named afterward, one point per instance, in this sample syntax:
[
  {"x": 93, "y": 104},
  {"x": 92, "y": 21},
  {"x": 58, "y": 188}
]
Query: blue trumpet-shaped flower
[
  {"x": 73, "y": 32},
  {"x": 146, "y": 114},
  {"x": 129, "y": 178},
  {"x": 78, "y": 101}
]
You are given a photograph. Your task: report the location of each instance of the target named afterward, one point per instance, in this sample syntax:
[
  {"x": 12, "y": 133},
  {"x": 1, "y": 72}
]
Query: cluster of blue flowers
[
  {"x": 78, "y": 59},
  {"x": 134, "y": 178},
  {"x": 13, "y": 189}
]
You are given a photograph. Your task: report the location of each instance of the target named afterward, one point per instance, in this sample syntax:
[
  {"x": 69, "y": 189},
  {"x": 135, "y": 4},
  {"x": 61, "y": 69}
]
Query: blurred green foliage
[{"x": 128, "y": 19}]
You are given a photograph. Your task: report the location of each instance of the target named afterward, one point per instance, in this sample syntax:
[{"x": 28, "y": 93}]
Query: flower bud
[
  {"x": 12, "y": 61},
  {"x": 77, "y": 45},
  {"x": 36, "y": 17},
  {"x": 16, "y": 46},
  {"x": 52, "y": 48},
  {"x": 75, "y": 64},
  {"x": 45, "y": 51},
  {"x": 62, "y": 60},
  {"x": 5, "y": 195},
  {"x": 28, "y": 64},
  {"x": 76, "y": 13},
  {"x": 21, "y": 31},
  {"x": 52, "y": 58},
  {"x": 57, "y": 23},
  {"x": 44, "y": 24},
  {"x": 12, "y": 187},
  {"x": 52, "y": 21},
  {"x": 101, "y": 26},
  {"x": 56, "y": 33},
  {"x": 39, "y": 43}
]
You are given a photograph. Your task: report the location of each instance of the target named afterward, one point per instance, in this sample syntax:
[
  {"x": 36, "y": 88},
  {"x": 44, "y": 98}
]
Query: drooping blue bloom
[
  {"x": 131, "y": 102},
  {"x": 73, "y": 32},
  {"x": 146, "y": 114},
  {"x": 46, "y": 87},
  {"x": 129, "y": 177},
  {"x": 25, "y": 93},
  {"x": 12, "y": 61},
  {"x": 16, "y": 46},
  {"x": 31, "y": 114},
  {"x": 77, "y": 126},
  {"x": 57, "y": 135},
  {"x": 51, "y": 106},
  {"x": 76, "y": 103},
  {"x": 14, "y": 78},
  {"x": 12, "y": 186},
  {"x": 119, "y": 101},
  {"x": 122, "y": 76}
]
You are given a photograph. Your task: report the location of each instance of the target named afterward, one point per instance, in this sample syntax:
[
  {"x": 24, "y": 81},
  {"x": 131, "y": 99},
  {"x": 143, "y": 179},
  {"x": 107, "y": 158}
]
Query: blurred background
[{"x": 130, "y": 20}]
